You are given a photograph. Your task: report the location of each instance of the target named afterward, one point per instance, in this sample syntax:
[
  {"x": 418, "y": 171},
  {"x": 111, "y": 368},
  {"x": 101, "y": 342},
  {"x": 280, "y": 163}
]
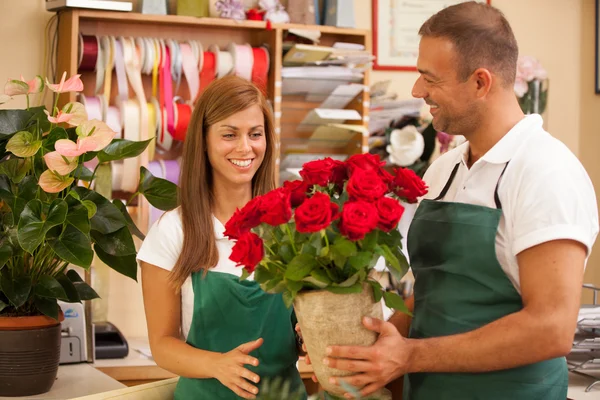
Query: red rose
[
  {"x": 390, "y": 212},
  {"x": 247, "y": 251},
  {"x": 368, "y": 162},
  {"x": 366, "y": 185},
  {"x": 315, "y": 213},
  {"x": 245, "y": 219},
  {"x": 408, "y": 185},
  {"x": 358, "y": 219},
  {"x": 339, "y": 173},
  {"x": 317, "y": 172},
  {"x": 297, "y": 190},
  {"x": 276, "y": 208}
]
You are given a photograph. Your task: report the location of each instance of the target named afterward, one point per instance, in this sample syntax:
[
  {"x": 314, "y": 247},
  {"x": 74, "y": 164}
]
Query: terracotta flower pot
[
  {"x": 328, "y": 319},
  {"x": 29, "y": 354}
]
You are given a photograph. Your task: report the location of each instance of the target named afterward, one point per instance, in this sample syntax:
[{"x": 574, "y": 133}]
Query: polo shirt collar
[{"x": 219, "y": 228}]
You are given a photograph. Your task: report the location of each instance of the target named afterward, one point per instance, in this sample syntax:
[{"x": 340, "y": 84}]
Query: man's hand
[{"x": 375, "y": 366}]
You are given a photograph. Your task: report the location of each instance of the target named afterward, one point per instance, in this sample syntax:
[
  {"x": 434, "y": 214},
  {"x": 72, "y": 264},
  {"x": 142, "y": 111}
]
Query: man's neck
[{"x": 229, "y": 197}]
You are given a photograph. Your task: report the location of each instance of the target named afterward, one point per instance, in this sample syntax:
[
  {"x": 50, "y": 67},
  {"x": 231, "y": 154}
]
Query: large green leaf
[
  {"x": 108, "y": 218},
  {"x": 83, "y": 289},
  {"x": 119, "y": 149},
  {"x": 83, "y": 173},
  {"x": 395, "y": 261},
  {"x": 370, "y": 241},
  {"x": 5, "y": 252},
  {"x": 300, "y": 267},
  {"x": 47, "y": 306},
  {"x": 320, "y": 276},
  {"x": 393, "y": 300},
  {"x": 344, "y": 247},
  {"x": 125, "y": 265},
  {"x": 356, "y": 288},
  {"x": 73, "y": 246},
  {"x": 16, "y": 290},
  {"x": 55, "y": 135},
  {"x": 159, "y": 192},
  {"x": 130, "y": 224},
  {"x": 16, "y": 204},
  {"x": 262, "y": 275},
  {"x": 3, "y": 305},
  {"x": 377, "y": 292},
  {"x": 70, "y": 290},
  {"x": 49, "y": 287},
  {"x": 12, "y": 121},
  {"x": 119, "y": 243},
  {"x": 27, "y": 188},
  {"x": 15, "y": 168},
  {"x": 360, "y": 260},
  {"x": 33, "y": 226},
  {"x": 286, "y": 252},
  {"x": 78, "y": 217}
]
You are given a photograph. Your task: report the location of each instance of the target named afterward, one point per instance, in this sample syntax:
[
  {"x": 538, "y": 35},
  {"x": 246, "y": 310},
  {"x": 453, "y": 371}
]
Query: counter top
[{"x": 76, "y": 380}]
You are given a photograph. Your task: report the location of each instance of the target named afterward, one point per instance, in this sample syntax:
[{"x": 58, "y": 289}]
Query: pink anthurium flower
[
  {"x": 16, "y": 87},
  {"x": 77, "y": 112},
  {"x": 68, "y": 148},
  {"x": 4, "y": 98},
  {"x": 52, "y": 182},
  {"x": 60, "y": 117},
  {"x": 73, "y": 84},
  {"x": 60, "y": 164},
  {"x": 94, "y": 135}
]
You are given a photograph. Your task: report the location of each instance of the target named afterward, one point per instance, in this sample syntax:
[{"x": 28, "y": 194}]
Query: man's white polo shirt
[{"x": 545, "y": 192}]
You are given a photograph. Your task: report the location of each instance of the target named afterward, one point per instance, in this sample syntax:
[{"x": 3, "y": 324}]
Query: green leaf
[
  {"x": 130, "y": 224},
  {"x": 107, "y": 218},
  {"x": 350, "y": 281},
  {"x": 286, "y": 252},
  {"x": 23, "y": 144},
  {"x": 91, "y": 208},
  {"x": 55, "y": 135},
  {"x": 78, "y": 217},
  {"x": 28, "y": 188},
  {"x": 245, "y": 274},
  {"x": 16, "y": 290},
  {"x": 276, "y": 285},
  {"x": 119, "y": 149},
  {"x": 370, "y": 241},
  {"x": 393, "y": 300},
  {"x": 84, "y": 290},
  {"x": 32, "y": 227},
  {"x": 16, "y": 204},
  {"x": 159, "y": 192},
  {"x": 300, "y": 267},
  {"x": 377, "y": 292},
  {"x": 15, "y": 168},
  {"x": 70, "y": 290},
  {"x": 320, "y": 276},
  {"x": 360, "y": 260},
  {"x": 312, "y": 281},
  {"x": 12, "y": 121},
  {"x": 338, "y": 259},
  {"x": 356, "y": 288},
  {"x": 49, "y": 287},
  {"x": 119, "y": 243},
  {"x": 125, "y": 265},
  {"x": 47, "y": 306},
  {"x": 390, "y": 259},
  {"x": 5, "y": 252},
  {"x": 344, "y": 247},
  {"x": 73, "y": 246},
  {"x": 294, "y": 287},
  {"x": 262, "y": 275},
  {"x": 82, "y": 173},
  {"x": 288, "y": 298},
  {"x": 3, "y": 305}
]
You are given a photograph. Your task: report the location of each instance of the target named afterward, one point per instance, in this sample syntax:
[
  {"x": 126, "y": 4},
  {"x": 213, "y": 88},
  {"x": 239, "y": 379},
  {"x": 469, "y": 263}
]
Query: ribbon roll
[
  {"x": 166, "y": 100},
  {"x": 88, "y": 52},
  {"x": 184, "y": 113},
  {"x": 260, "y": 68},
  {"x": 223, "y": 61},
  {"x": 107, "y": 44},
  {"x": 93, "y": 106},
  {"x": 190, "y": 70},
  {"x": 243, "y": 60},
  {"x": 176, "y": 63},
  {"x": 207, "y": 74}
]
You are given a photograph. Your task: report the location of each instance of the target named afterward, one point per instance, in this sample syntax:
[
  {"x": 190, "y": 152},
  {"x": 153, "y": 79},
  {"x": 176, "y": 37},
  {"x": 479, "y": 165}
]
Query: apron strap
[
  {"x": 496, "y": 197},
  {"x": 448, "y": 183}
]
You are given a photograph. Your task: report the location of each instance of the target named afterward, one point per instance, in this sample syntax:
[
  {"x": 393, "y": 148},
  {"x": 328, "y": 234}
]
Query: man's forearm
[{"x": 512, "y": 341}]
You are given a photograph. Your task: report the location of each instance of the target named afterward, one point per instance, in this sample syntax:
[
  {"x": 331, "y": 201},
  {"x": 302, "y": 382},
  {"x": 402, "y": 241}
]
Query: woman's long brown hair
[{"x": 222, "y": 98}]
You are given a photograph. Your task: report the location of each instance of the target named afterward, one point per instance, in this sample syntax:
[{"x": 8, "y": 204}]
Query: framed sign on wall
[{"x": 396, "y": 26}]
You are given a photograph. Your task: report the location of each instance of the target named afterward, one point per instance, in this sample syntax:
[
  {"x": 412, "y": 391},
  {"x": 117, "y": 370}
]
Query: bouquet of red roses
[{"x": 326, "y": 231}]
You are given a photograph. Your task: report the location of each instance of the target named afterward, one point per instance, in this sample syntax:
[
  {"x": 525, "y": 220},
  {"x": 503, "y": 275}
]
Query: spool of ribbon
[
  {"x": 243, "y": 60},
  {"x": 88, "y": 52},
  {"x": 208, "y": 71},
  {"x": 184, "y": 113},
  {"x": 190, "y": 70},
  {"x": 260, "y": 68},
  {"x": 223, "y": 61}
]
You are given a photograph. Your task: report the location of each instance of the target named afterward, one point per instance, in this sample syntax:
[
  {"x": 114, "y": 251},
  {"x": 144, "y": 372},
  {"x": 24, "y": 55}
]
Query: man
[{"x": 498, "y": 248}]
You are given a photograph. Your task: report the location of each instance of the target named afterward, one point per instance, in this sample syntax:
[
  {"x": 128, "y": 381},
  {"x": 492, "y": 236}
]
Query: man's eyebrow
[{"x": 425, "y": 72}]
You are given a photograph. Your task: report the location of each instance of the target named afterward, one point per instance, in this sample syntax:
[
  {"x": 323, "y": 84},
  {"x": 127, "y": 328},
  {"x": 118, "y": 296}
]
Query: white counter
[{"x": 76, "y": 380}]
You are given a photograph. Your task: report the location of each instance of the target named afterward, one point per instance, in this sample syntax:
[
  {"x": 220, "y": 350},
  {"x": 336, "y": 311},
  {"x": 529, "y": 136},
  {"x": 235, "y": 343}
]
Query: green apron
[
  {"x": 460, "y": 286},
  {"x": 229, "y": 312}
]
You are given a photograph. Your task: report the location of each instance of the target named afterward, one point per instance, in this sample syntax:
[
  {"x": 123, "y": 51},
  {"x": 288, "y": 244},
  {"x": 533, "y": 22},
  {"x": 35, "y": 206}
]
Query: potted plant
[
  {"x": 316, "y": 241},
  {"x": 49, "y": 223}
]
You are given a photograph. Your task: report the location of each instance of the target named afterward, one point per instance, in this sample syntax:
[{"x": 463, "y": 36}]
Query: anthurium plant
[{"x": 51, "y": 217}]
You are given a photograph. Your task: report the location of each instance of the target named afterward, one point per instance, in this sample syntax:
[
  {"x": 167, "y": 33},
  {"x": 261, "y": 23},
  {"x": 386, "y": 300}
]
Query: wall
[{"x": 558, "y": 32}]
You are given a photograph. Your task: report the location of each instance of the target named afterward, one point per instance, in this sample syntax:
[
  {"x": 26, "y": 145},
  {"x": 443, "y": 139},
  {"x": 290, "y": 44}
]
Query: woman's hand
[{"x": 230, "y": 371}]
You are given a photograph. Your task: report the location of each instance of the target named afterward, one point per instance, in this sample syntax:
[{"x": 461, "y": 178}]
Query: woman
[{"x": 235, "y": 334}]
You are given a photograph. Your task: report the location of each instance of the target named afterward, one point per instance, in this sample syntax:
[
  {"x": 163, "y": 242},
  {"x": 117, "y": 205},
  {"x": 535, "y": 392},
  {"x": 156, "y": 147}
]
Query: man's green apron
[
  {"x": 460, "y": 286},
  {"x": 229, "y": 312}
]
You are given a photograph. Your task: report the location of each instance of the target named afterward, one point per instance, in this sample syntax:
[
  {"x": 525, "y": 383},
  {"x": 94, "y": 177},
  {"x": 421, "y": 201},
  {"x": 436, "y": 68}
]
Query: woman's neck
[{"x": 229, "y": 197}]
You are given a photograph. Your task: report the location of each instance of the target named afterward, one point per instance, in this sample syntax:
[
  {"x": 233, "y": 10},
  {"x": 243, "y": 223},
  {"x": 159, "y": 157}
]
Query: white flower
[{"x": 406, "y": 146}]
